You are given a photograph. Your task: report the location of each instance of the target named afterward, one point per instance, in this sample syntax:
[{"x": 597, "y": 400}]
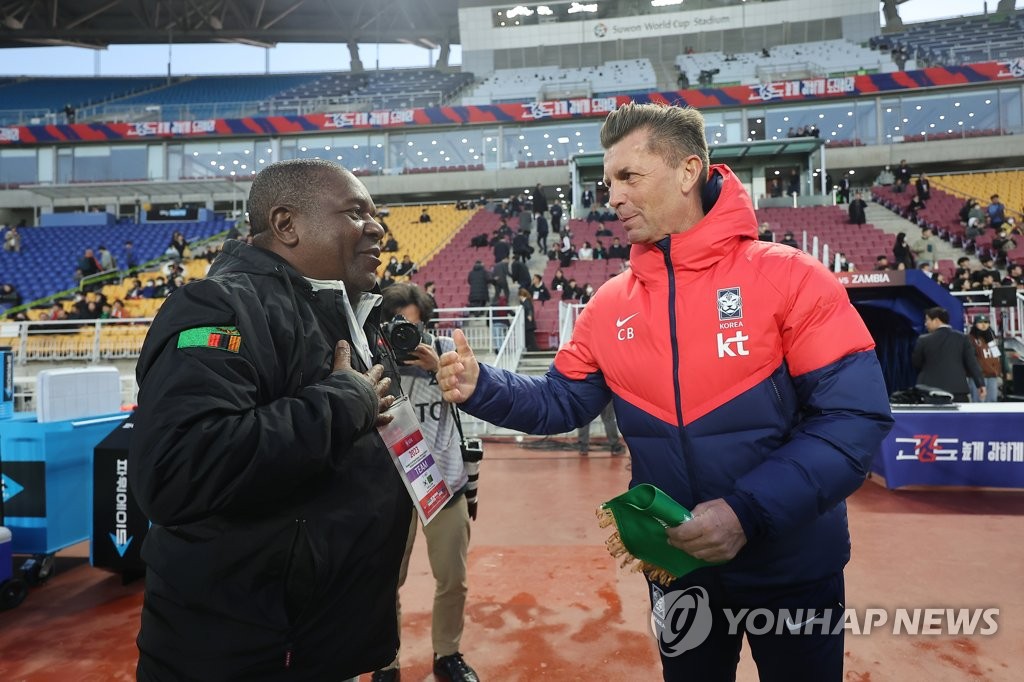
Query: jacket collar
[{"x": 729, "y": 222}]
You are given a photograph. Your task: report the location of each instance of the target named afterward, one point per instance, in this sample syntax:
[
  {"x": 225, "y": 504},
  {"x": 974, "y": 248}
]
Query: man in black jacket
[
  {"x": 278, "y": 518},
  {"x": 944, "y": 358}
]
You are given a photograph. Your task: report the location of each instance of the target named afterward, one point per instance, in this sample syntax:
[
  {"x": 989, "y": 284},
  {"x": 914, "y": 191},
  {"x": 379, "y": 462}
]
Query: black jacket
[
  {"x": 279, "y": 520},
  {"x": 945, "y": 359},
  {"x": 478, "y": 280}
]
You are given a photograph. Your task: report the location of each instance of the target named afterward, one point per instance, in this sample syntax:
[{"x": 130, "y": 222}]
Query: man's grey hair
[
  {"x": 296, "y": 184},
  {"x": 674, "y": 132}
]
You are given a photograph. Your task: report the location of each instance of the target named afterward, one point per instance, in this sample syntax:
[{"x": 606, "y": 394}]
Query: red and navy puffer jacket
[{"x": 739, "y": 370}]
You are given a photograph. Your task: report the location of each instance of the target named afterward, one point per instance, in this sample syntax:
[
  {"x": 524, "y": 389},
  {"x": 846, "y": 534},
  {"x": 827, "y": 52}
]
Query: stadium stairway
[{"x": 892, "y": 223}]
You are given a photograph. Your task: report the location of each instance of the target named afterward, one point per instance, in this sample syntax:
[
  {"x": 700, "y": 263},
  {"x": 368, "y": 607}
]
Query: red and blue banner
[
  {"x": 949, "y": 447},
  {"x": 700, "y": 98}
]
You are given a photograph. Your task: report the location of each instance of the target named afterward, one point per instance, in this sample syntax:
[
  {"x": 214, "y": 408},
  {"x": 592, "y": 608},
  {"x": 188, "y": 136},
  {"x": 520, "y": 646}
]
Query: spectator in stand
[
  {"x": 540, "y": 200},
  {"x": 775, "y": 188},
  {"x": 961, "y": 280},
  {"x": 916, "y": 205},
  {"x": 600, "y": 253},
  {"x": 793, "y": 188},
  {"x": 764, "y": 233},
  {"x": 789, "y": 240},
  {"x": 976, "y": 219},
  {"x": 521, "y": 248},
  {"x": 520, "y": 274},
  {"x": 567, "y": 254},
  {"x": 587, "y": 293},
  {"x": 1014, "y": 275},
  {"x": 12, "y": 240},
  {"x": 986, "y": 269},
  {"x": 131, "y": 261},
  {"x": 386, "y": 280},
  {"x": 542, "y": 230},
  {"x": 392, "y": 266},
  {"x": 925, "y": 247},
  {"x": 618, "y": 250},
  {"x": 594, "y": 216},
  {"x": 843, "y": 191},
  {"x": 559, "y": 282},
  {"x": 502, "y": 249},
  {"x": 901, "y": 252},
  {"x": 986, "y": 350},
  {"x": 996, "y": 212},
  {"x": 586, "y": 252},
  {"x": 944, "y": 358},
  {"x": 1004, "y": 242},
  {"x": 903, "y": 175},
  {"x": 178, "y": 248},
  {"x": 499, "y": 278},
  {"x": 926, "y": 268},
  {"x": 105, "y": 258},
  {"x": 88, "y": 264},
  {"x": 885, "y": 177},
  {"x": 160, "y": 288},
  {"x": 858, "y": 210},
  {"x": 538, "y": 290},
  {"x": 526, "y": 223},
  {"x": 587, "y": 198},
  {"x": 571, "y": 292},
  {"x": 390, "y": 243},
  {"x": 556, "y": 217},
  {"x": 882, "y": 263},
  {"x": 56, "y": 312},
  {"x": 478, "y": 291},
  {"x": 924, "y": 187},
  {"x": 9, "y": 295},
  {"x": 406, "y": 267},
  {"x": 530, "y": 319},
  {"x": 424, "y": 216},
  {"x": 117, "y": 310},
  {"x": 135, "y": 291}
]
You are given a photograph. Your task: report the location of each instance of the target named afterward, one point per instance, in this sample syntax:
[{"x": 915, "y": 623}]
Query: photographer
[{"x": 448, "y": 533}]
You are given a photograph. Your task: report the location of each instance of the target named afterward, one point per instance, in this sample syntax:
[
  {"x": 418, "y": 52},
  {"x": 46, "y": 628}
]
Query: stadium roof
[{"x": 264, "y": 23}]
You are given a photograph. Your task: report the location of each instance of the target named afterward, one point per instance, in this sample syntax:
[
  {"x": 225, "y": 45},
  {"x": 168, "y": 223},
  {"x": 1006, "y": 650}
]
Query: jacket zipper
[
  {"x": 678, "y": 393},
  {"x": 289, "y": 648}
]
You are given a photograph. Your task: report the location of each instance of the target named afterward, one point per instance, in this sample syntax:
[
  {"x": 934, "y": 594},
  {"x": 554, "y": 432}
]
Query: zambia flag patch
[{"x": 226, "y": 338}]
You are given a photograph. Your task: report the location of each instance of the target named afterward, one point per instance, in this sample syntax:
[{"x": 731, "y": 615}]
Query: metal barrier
[
  {"x": 1006, "y": 320},
  {"x": 497, "y": 336}
]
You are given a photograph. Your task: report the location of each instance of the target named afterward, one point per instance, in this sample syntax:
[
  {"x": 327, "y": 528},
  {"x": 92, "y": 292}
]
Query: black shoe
[
  {"x": 584, "y": 453},
  {"x": 392, "y": 675},
  {"x": 618, "y": 449},
  {"x": 453, "y": 668}
]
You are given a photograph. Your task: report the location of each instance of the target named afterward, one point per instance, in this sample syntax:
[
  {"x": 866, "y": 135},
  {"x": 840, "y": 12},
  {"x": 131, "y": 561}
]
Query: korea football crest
[{"x": 730, "y": 304}]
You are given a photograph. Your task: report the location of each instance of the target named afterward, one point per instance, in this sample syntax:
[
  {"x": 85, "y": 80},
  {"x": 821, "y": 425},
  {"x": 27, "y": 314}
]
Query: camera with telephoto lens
[{"x": 404, "y": 336}]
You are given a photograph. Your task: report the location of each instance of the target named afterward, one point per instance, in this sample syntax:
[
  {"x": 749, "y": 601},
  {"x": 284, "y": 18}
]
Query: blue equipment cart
[{"x": 47, "y": 477}]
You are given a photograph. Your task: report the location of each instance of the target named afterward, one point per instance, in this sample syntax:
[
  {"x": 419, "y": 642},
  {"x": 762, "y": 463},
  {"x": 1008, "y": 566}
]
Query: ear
[
  {"x": 282, "y": 225},
  {"x": 689, "y": 173}
]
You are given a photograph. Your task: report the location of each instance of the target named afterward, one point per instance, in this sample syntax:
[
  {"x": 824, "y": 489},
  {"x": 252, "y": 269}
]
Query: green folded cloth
[{"x": 641, "y": 516}]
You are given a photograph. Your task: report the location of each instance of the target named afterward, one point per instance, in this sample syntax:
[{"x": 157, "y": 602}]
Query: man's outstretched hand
[
  {"x": 379, "y": 382},
  {"x": 459, "y": 371}
]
